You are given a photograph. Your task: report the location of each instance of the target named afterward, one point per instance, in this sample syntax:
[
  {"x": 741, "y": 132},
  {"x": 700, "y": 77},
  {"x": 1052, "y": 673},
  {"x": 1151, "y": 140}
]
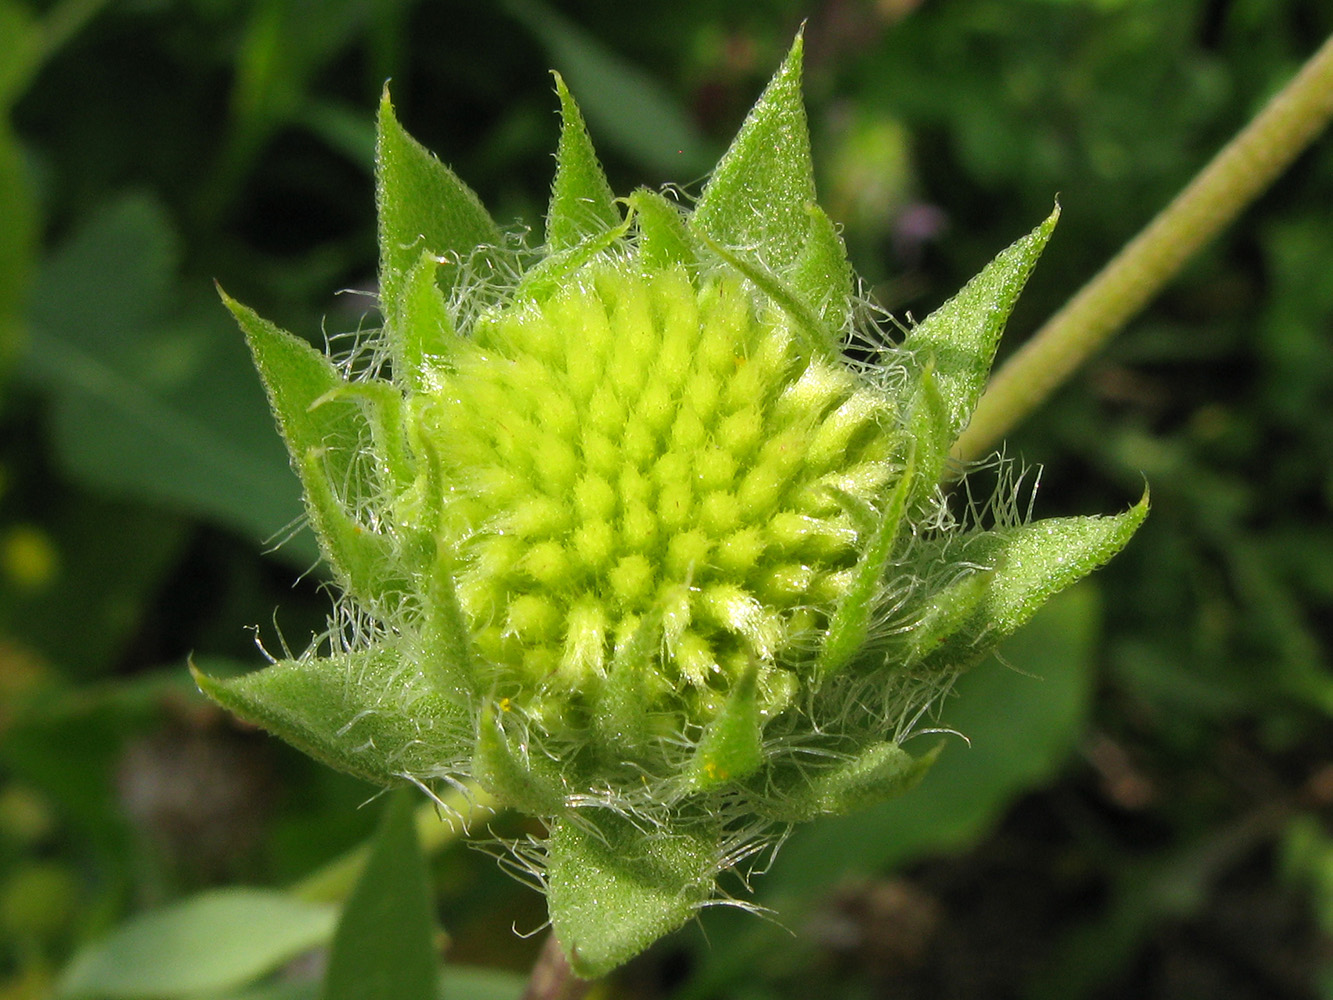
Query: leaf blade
[
  {"x": 383, "y": 948},
  {"x": 218, "y": 940}
]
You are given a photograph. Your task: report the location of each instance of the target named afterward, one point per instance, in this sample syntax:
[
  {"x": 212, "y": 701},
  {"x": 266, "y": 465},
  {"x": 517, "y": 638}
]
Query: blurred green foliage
[{"x": 1145, "y": 805}]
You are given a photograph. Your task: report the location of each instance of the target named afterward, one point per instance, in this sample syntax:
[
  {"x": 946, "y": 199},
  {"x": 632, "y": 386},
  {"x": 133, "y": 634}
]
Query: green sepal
[
  {"x": 367, "y": 713},
  {"x": 879, "y": 773},
  {"x": 938, "y": 625},
  {"x": 959, "y": 338},
  {"x": 850, "y": 626},
  {"x": 513, "y": 780},
  {"x": 582, "y": 204},
  {"x": 362, "y": 560},
  {"x": 546, "y": 277},
  {"x": 823, "y": 274},
  {"x": 424, "y": 327},
  {"x": 758, "y": 193},
  {"x": 324, "y": 428},
  {"x": 446, "y": 654},
  {"x": 732, "y": 745},
  {"x": 383, "y": 409},
  {"x": 613, "y": 890},
  {"x": 664, "y": 239},
  {"x": 821, "y": 340},
  {"x": 618, "y": 712},
  {"x": 930, "y": 429},
  {"x": 422, "y": 207},
  {"x": 1031, "y": 563}
]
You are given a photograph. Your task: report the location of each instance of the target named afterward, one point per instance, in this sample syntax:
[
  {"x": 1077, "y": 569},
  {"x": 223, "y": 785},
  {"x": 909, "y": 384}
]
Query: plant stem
[
  {"x": 552, "y": 978},
  {"x": 1237, "y": 175}
]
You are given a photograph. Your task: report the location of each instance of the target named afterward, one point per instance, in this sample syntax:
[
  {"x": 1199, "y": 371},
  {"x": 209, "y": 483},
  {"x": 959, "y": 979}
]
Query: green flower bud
[{"x": 625, "y": 538}]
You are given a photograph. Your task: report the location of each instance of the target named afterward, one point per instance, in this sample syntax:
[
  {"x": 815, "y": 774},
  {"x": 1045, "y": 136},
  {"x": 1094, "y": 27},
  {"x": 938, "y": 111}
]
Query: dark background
[{"x": 1144, "y": 809}]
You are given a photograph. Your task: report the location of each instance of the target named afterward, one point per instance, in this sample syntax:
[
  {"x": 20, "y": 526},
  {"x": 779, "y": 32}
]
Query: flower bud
[{"x": 625, "y": 538}]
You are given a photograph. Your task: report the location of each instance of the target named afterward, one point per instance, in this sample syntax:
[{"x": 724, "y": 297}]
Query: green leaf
[
  {"x": 631, "y": 111},
  {"x": 154, "y": 400},
  {"x": 582, "y": 204},
  {"x": 757, "y": 196},
  {"x": 959, "y": 338},
  {"x": 1029, "y": 564},
  {"x": 384, "y": 946},
  {"x": 461, "y": 983},
  {"x": 367, "y": 713},
  {"x": 18, "y": 242},
  {"x": 664, "y": 240},
  {"x": 325, "y": 430},
  {"x": 215, "y": 941},
  {"x": 615, "y": 890},
  {"x": 22, "y": 50},
  {"x": 423, "y": 208}
]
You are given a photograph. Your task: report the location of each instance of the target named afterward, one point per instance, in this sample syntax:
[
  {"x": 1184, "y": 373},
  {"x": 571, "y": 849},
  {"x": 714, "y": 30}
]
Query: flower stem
[
  {"x": 1237, "y": 175},
  {"x": 552, "y": 978}
]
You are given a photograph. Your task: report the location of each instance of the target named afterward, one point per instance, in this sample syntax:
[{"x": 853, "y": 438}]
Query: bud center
[{"x": 636, "y": 451}]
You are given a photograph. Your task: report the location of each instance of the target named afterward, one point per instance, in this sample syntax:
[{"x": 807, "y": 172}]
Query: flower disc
[{"x": 637, "y": 452}]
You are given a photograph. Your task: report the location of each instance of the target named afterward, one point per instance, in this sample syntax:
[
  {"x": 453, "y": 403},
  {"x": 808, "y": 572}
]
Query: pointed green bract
[
  {"x": 930, "y": 429},
  {"x": 446, "y": 654},
  {"x": 879, "y": 773},
  {"x": 582, "y": 205},
  {"x": 757, "y": 196},
  {"x": 850, "y": 625},
  {"x": 424, "y": 333},
  {"x": 823, "y": 274},
  {"x": 819, "y": 337},
  {"x": 959, "y": 338},
  {"x": 366, "y": 713},
  {"x": 384, "y": 947},
  {"x": 513, "y": 781},
  {"x": 423, "y": 208},
  {"x": 664, "y": 239},
  {"x": 324, "y": 435},
  {"x": 1029, "y": 564},
  {"x": 731, "y": 747},
  {"x": 614, "y": 892}
]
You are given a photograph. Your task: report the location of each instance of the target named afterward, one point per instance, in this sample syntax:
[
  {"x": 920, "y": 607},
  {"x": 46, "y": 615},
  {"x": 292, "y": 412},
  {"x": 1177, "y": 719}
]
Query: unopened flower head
[{"x": 624, "y": 538}]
